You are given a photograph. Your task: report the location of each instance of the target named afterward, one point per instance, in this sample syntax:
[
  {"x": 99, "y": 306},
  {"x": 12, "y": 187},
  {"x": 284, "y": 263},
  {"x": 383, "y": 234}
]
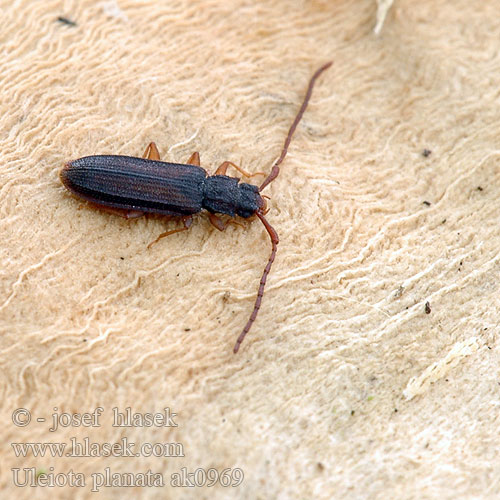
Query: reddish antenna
[
  {"x": 260, "y": 214},
  {"x": 275, "y": 170}
]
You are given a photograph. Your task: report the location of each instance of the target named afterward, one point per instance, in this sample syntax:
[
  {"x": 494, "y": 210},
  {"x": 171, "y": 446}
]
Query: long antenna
[
  {"x": 274, "y": 241},
  {"x": 272, "y": 233},
  {"x": 275, "y": 170}
]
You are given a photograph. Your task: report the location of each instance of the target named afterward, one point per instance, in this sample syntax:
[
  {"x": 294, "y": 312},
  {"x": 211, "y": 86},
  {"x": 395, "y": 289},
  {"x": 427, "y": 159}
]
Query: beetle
[{"x": 131, "y": 187}]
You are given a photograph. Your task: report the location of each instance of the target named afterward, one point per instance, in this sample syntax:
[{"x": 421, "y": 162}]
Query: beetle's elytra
[{"x": 130, "y": 187}]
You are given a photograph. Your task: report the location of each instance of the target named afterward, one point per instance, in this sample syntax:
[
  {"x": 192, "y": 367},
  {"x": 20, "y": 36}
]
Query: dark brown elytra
[{"x": 130, "y": 187}]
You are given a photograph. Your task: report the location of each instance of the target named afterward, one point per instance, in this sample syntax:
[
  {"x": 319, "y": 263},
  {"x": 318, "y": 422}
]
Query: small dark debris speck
[
  {"x": 427, "y": 203},
  {"x": 320, "y": 466},
  {"x": 187, "y": 329},
  {"x": 426, "y": 152},
  {"x": 66, "y": 21},
  {"x": 352, "y": 412},
  {"x": 395, "y": 410},
  {"x": 479, "y": 188},
  {"x": 427, "y": 308}
]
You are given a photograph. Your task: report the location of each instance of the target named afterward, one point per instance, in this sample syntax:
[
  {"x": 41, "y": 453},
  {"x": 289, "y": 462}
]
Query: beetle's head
[{"x": 249, "y": 201}]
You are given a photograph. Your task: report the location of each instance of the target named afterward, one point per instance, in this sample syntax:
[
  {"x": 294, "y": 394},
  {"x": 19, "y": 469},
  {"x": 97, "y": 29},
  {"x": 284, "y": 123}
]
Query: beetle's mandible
[{"x": 130, "y": 187}]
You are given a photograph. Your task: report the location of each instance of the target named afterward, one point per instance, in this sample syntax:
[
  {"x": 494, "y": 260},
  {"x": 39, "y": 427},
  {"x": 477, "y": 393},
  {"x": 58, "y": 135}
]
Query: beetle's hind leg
[
  {"x": 194, "y": 159},
  {"x": 186, "y": 220}
]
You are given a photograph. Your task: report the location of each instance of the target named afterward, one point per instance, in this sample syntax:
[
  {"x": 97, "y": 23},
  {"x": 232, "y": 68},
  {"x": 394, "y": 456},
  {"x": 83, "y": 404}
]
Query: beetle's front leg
[
  {"x": 225, "y": 165},
  {"x": 220, "y": 224}
]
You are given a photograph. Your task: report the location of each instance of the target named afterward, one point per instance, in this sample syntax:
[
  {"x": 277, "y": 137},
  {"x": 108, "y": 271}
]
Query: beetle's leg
[
  {"x": 151, "y": 152},
  {"x": 127, "y": 214},
  {"x": 224, "y": 166},
  {"x": 220, "y": 224},
  {"x": 121, "y": 212},
  {"x": 217, "y": 222},
  {"x": 186, "y": 220},
  {"x": 194, "y": 159}
]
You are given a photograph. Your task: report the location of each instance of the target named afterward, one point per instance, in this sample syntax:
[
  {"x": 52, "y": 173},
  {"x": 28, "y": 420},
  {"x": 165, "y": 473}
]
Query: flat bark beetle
[{"x": 130, "y": 187}]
